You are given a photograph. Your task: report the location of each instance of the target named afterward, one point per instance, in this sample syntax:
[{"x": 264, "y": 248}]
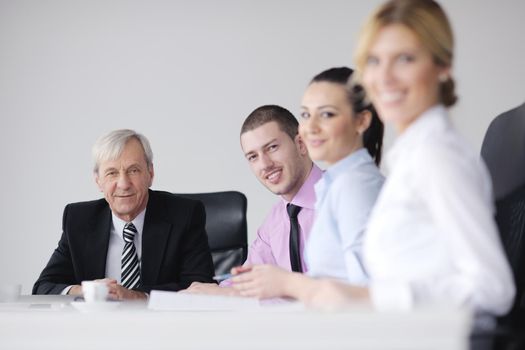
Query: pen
[
  {"x": 227, "y": 276},
  {"x": 223, "y": 277}
]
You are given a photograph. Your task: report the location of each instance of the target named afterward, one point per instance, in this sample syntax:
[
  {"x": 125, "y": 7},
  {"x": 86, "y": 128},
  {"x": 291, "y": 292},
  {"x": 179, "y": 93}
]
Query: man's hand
[
  {"x": 117, "y": 292},
  {"x": 75, "y": 290},
  {"x": 210, "y": 288}
]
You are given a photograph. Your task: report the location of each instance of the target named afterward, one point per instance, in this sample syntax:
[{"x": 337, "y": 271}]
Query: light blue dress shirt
[{"x": 345, "y": 196}]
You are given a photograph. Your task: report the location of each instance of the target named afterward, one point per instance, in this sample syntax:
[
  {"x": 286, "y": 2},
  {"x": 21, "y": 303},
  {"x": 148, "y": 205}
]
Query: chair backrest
[
  {"x": 226, "y": 227},
  {"x": 503, "y": 150}
]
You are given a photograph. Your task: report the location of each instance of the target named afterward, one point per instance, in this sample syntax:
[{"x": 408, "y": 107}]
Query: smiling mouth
[
  {"x": 391, "y": 97},
  {"x": 274, "y": 175},
  {"x": 123, "y": 196},
  {"x": 315, "y": 143}
]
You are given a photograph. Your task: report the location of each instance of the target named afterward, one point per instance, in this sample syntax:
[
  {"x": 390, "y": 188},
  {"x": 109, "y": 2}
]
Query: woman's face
[
  {"x": 327, "y": 124},
  {"x": 400, "y": 76}
]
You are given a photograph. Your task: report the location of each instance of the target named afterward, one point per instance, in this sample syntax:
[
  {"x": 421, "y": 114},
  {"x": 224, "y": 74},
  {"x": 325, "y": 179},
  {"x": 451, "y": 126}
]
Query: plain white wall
[{"x": 186, "y": 74}]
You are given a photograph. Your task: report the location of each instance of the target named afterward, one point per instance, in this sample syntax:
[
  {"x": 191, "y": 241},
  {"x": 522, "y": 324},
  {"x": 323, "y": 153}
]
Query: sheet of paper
[{"x": 173, "y": 301}]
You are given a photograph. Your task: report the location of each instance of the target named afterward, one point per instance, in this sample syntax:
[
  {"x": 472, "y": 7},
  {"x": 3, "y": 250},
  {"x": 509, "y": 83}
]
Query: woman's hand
[{"x": 260, "y": 281}]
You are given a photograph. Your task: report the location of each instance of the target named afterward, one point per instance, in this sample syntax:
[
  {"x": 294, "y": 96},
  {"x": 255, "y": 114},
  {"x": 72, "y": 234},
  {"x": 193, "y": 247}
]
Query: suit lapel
[
  {"x": 96, "y": 245},
  {"x": 154, "y": 239}
]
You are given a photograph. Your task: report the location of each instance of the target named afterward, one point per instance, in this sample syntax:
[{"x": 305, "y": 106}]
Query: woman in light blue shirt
[{"x": 342, "y": 130}]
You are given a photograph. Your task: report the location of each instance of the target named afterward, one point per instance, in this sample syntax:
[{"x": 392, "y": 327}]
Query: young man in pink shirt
[{"x": 279, "y": 159}]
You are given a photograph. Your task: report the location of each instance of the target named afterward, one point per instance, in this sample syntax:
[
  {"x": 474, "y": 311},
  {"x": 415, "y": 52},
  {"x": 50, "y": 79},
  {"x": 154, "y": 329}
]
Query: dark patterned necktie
[
  {"x": 130, "y": 274},
  {"x": 295, "y": 256}
]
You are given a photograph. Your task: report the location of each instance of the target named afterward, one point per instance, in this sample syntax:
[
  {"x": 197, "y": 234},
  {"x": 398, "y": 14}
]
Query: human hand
[
  {"x": 331, "y": 295},
  {"x": 260, "y": 281},
  {"x": 241, "y": 269},
  {"x": 108, "y": 281},
  {"x": 118, "y": 292},
  {"x": 209, "y": 288},
  {"x": 76, "y": 290}
]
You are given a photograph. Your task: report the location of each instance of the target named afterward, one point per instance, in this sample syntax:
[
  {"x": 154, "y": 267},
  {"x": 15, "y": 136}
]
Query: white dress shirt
[
  {"x": 345, "y": 196},
  {"x": 116, "y": 244},
  {"x": 432, "y": 238}
]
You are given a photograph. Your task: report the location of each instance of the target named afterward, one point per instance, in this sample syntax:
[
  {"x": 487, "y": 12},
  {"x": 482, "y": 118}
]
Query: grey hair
[{"x": 110, "y": 147}]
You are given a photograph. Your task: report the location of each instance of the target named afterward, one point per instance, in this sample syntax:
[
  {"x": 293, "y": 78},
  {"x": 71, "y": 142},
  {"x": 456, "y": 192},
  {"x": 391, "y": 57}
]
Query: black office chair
[
  {"x": 503, "y": 150},
  {"x": 226, "y": 227}
]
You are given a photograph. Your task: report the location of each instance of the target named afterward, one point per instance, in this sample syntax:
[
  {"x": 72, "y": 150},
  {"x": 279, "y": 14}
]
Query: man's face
[
  {"x": 275, "y": 159},
  {"x": 125, "y": 181}
]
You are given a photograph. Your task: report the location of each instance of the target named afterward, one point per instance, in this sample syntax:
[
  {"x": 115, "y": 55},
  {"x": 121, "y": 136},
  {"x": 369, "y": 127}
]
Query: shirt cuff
[
  {"x": 66, "y": 290},
  {"x": 391, "y": 296},
  {"x": 226, "y": 283}
]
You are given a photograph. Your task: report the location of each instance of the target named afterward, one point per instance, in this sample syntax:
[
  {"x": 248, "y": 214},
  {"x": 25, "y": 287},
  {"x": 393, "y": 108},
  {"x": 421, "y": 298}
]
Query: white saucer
[{"x": 101, "y": 306}]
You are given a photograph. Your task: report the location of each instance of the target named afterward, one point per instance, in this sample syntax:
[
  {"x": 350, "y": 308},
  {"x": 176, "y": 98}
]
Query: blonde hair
[{"x": 427, "y": 20}]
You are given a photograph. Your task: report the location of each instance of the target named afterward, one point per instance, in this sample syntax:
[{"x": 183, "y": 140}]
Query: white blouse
[{"x": 432, "y": 238}]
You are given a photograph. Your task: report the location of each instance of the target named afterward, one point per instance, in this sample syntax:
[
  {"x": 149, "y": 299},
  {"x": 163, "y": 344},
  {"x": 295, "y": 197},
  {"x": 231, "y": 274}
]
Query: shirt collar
[
  {"x": 305, "y": 197},
  {"x": 118, "y": 223},
  {"x": 430, "y": 121},
  {"x": 351, "y": 161}
]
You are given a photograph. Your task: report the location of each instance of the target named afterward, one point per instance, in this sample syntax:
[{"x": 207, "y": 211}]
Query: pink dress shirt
[{"x": 272, "y": 243}]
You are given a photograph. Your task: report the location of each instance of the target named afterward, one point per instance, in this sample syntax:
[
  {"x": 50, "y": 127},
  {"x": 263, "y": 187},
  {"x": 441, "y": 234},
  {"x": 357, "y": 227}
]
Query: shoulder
[
  {"x": 87, "y": 208},
  {"x": 356, "y": 190},
  {"x": 363, "y": 178},
  {"x": 81, "y": 215},
  {"x": 174, "y": 209},
  {"x": 173, "y": 203},
  {"x": 169, "y": 198},
  {"x": 276, "y": 212},
  {"x": 511, "y": 121},
  {"x": 447, "y": 159},
  {"x": 446, "y": 151}
]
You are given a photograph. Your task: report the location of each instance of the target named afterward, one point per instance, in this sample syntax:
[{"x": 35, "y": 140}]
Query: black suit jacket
[
  {"x": 503, "y": 150},
  {"x": 175, "y": 249}
]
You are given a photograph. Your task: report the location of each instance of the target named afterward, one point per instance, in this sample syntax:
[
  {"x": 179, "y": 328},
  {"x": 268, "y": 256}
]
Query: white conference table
[{"x": 52, "y": 323}]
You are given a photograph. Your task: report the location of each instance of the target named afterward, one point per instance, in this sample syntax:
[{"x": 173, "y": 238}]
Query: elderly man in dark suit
[{"x": 135, "y": 239}]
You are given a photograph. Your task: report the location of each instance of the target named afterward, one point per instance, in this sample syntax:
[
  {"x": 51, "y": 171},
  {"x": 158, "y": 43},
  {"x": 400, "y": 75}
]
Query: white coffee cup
[
  {"x": 94, "y": 291},
  {"x": 10, "y": 292}
]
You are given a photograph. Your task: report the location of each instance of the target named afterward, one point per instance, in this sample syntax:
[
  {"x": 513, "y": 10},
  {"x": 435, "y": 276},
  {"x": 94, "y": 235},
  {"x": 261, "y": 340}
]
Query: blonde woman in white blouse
[{"x": 431, "y": 238}]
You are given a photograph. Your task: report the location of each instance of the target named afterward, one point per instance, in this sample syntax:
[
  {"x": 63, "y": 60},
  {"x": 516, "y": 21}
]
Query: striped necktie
[{"x": 130, "y": 275}]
